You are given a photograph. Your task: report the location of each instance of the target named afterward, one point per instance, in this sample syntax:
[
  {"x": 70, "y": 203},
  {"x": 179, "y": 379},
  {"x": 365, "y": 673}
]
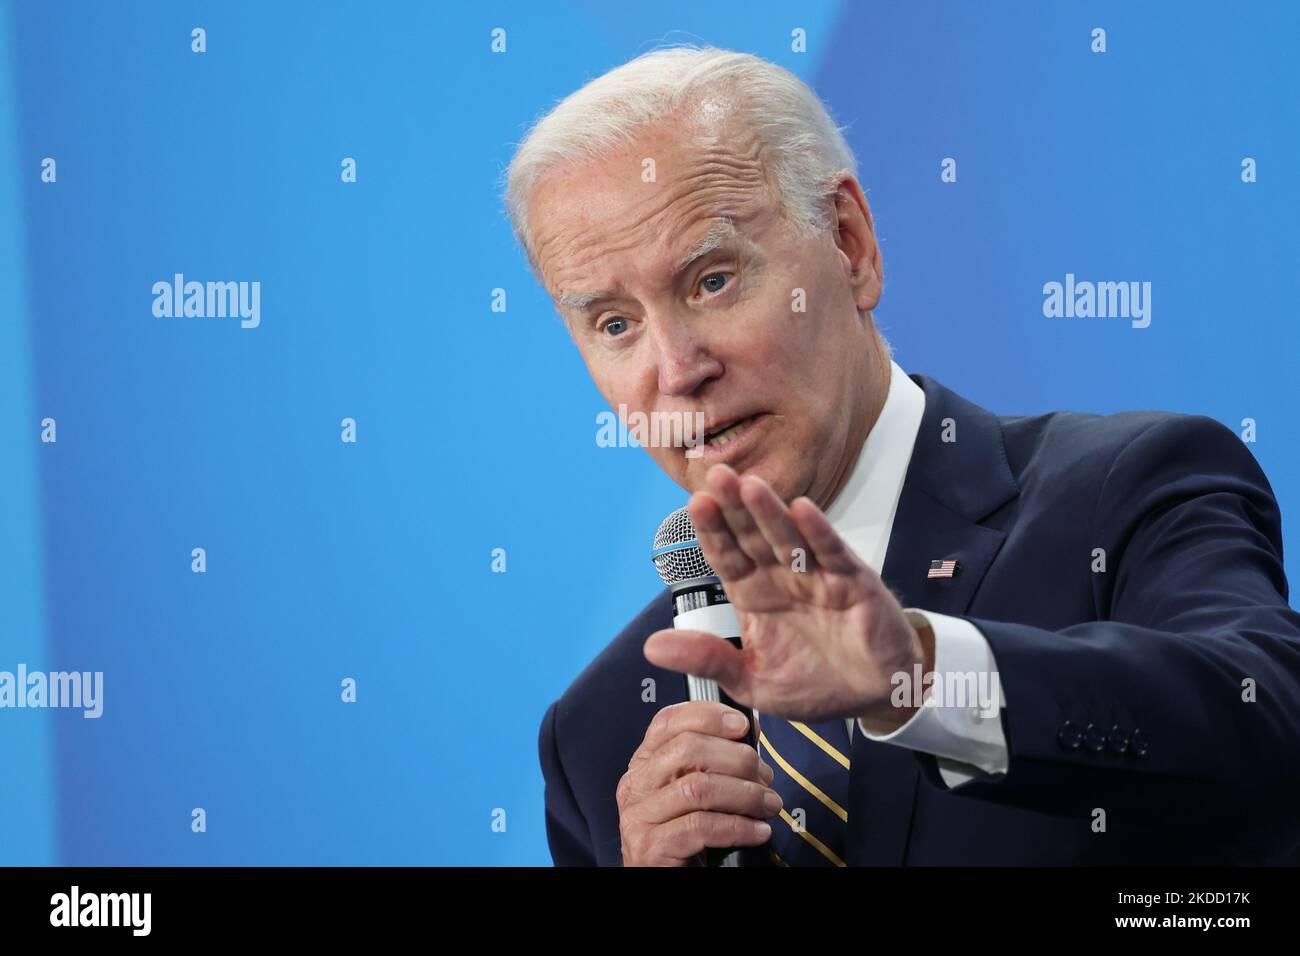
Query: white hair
[{"x": 782, "y": 111}]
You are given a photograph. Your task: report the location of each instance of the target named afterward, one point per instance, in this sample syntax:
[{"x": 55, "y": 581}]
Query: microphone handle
[{"x": 701, "y": 688}]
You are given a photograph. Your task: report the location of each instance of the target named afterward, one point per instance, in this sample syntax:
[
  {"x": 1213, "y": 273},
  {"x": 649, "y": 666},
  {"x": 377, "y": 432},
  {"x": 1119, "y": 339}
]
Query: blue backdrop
[{"x": 475, "y": 429}]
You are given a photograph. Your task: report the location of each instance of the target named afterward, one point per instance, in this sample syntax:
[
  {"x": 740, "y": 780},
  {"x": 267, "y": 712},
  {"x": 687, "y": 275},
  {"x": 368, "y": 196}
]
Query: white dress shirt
[{"x": 966, "y": 742}]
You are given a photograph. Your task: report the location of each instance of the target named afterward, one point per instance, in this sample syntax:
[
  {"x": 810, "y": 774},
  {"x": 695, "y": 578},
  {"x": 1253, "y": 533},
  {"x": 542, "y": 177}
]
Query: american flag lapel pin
[{"x": 943, "y": 569}]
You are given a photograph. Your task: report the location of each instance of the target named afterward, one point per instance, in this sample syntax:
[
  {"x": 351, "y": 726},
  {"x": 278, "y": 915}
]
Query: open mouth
[
  {"x": 727, "y": 433},
  {"x": 720, "y": 436}
]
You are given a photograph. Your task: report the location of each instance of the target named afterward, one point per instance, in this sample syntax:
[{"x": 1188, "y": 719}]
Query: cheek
[
  {"x": 769, "y": 340},
  {"x": 793, "y": 323},
  {"x": 783, "y": 354},
  {"x": 624, "y": 388},
  {"x": 618, "y": 382}
]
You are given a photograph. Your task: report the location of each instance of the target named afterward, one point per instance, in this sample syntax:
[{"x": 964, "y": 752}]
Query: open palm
[{"x": 821, "y": 634}]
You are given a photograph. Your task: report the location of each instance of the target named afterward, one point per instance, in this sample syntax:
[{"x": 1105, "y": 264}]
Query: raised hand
[{"x": 821, "y": 634}]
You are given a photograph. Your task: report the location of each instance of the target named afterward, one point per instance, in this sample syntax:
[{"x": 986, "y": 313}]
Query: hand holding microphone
[
  {"x": 694, "y": 785},
  {"x": 696, "y": 790}
]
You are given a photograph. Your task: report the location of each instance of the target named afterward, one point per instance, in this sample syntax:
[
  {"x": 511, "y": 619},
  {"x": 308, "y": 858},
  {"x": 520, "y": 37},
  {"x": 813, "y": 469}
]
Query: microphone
[{"x": 700, "y": 604}]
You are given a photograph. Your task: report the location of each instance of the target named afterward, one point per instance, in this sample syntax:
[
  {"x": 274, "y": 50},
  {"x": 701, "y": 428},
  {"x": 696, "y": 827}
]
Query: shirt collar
[{"x": 863, "y": 511}]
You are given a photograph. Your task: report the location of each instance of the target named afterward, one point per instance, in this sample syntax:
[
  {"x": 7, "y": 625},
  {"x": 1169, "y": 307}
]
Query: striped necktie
[{"x": 811, "y": 765}]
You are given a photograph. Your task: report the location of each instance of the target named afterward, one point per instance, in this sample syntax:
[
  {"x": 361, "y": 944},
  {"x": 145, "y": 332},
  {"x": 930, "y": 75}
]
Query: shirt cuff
[{"x": 959, "y": 720}]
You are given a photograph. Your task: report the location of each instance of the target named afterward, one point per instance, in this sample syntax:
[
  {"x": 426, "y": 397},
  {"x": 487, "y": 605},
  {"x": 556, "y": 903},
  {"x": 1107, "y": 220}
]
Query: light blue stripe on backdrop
[{"x": 28, "y": 801}]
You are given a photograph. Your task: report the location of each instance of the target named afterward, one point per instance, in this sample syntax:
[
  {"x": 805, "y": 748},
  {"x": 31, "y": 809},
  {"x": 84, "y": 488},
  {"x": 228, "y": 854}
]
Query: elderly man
[{"x": 1115, "y": 583}]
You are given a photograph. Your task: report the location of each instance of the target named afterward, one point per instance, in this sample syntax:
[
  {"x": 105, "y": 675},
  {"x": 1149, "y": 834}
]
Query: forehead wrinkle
[
  {"x": 702, "y": 204},
  {"x": 721, "y": 230},
  {"x": 718, "y": 177}
]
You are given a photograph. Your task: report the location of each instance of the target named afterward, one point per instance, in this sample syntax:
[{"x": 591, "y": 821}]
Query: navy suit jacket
[{"x": 1127, "y": 690}]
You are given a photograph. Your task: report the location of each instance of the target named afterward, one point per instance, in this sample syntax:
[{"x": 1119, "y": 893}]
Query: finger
[
  {"x": 721, "y": 550},
  {"x": 698, "y": 653},
  {"x": 827, "y": 546},
  {"x": 686, "y": 836},
  {"x": 709, "y": 791},
  {"x": 691, "y": 751},
  {"x": 701, "y": 716},
  {"x": 724, "y": 484},
  {"x": 773, "y": 519}
]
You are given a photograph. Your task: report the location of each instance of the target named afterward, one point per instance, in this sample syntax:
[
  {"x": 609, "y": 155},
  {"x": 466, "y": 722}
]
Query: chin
[{"x": 782, "y": 482}]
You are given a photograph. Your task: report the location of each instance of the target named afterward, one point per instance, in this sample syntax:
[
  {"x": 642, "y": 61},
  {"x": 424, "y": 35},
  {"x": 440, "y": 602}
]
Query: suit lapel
[{"x": 950, "y": 486}]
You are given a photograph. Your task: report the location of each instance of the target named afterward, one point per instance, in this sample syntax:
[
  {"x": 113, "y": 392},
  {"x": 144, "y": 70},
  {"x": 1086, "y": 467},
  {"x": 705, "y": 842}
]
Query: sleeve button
[
  {"x": 1069, "y": 736},
  {"x": 1117, "y": 739},
  {"x": 1095, "y": 738},
  {"x": 1139, "y": 744}
]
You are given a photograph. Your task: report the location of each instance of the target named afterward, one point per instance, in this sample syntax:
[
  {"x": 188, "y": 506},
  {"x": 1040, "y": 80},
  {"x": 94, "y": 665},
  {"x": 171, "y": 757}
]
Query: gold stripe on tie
[
  {"x": 821, "y": 847},
  {"x": 820, "y": 741},
  {"x": 803, "y": 781},
  {"x": 776, "y": 858}
]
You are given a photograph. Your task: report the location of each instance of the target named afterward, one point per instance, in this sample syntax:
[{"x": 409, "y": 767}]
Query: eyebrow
[
  {"x": 720, "y": 232},
  {"x": 577, "y": 301}
]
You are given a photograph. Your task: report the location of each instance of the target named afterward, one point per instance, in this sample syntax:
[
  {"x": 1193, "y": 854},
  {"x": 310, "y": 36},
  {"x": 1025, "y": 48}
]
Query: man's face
[{"x": 696, "y": 284}]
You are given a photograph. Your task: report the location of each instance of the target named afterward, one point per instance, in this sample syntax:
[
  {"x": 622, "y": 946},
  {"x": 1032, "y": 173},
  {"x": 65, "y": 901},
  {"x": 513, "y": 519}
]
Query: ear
[{"x": 855, "y": 236}]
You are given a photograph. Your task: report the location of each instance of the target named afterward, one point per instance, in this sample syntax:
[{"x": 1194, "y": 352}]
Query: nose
[{"x": 684, "y": 359}]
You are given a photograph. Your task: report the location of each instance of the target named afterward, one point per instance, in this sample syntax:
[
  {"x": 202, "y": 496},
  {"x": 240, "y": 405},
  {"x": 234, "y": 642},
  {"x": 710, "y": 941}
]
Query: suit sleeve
[
  {"x": 1181, "y": 705},
  {"x": 566, "y": 830}
]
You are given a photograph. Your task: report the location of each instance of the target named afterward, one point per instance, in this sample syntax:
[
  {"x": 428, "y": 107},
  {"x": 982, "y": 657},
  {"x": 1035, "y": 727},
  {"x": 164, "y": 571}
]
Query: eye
[
  {"x": 714, "y": 282},
  {"x": 617, "y": 324}
]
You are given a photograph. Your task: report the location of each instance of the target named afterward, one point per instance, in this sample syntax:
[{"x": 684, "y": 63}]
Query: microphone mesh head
[{"x": 677, "y": 553}]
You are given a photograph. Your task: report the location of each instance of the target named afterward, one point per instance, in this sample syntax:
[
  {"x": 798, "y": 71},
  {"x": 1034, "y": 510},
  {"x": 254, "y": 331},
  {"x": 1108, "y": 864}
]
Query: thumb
[{"x": 699, "y": 653}]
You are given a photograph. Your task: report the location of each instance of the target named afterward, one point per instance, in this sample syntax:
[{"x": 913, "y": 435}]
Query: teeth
[{"x": 724, "y": 436}]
